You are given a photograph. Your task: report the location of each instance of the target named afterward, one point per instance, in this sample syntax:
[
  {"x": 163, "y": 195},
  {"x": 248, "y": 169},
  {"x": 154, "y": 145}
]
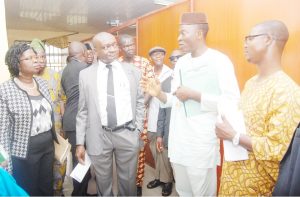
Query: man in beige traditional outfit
[{"x": 271, "y": 108}]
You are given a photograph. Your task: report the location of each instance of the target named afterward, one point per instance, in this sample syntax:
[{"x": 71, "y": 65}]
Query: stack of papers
[{"x": 62, "y": 149}]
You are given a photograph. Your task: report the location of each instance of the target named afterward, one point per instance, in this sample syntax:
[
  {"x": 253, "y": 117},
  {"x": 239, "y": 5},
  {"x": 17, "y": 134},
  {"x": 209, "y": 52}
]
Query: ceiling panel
[{"x": 84, "y": 16}]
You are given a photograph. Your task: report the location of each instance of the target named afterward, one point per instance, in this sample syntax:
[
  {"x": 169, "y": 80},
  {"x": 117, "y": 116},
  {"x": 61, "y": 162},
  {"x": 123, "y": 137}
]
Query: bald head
[
  {"x": 276, "y": 29},
  {"x": 76, "y": 48},
  {"x": 127, "y": 45},
  {"x": 265, "y": 43},
  {"x": 77, "y": 51},
  {"x": 106, "y": 46},
  {"x": 102, "y": 37},
  {"x": 125, "y": 37}
]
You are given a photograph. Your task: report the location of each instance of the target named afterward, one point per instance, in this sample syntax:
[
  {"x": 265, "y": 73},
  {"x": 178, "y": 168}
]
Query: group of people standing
[{"x": 111, "y": 106}]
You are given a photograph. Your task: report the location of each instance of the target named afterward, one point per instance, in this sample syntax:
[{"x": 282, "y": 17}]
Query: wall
[
  {"x": 4, "y": 75},
  {"x": 231, "y": 20}
]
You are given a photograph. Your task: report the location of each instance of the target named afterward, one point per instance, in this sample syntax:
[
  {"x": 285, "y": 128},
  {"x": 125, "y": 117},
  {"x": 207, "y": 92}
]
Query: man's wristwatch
[{"x": 236, "y": 139}]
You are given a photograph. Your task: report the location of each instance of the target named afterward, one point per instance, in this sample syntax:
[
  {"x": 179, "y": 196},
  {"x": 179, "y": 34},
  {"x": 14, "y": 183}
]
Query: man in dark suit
[
  {"x": 163, "y": 169},
  {"x": 69, "y": 82},
  {"x": 110, "y": 117},
  {"x": 289, "y": 173}
]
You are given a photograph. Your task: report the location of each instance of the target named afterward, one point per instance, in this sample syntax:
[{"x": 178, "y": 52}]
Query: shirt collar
[{"x": 114, "y": 64}]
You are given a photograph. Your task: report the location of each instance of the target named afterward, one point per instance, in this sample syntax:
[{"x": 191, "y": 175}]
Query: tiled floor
[{"x": 149, "y": 176}]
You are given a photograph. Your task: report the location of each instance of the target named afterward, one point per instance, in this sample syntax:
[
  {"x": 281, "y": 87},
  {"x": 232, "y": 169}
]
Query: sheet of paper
[
  {"x": 202, "y": 78},
  {"x": 236, "y": 119},
  {"x": 3, "y": 154},
  {"x": 80, "y": 170}
]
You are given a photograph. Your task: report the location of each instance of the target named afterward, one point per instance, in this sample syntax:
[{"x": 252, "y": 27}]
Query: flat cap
[
  {"x": 193, "y": 18},
  {"x": 156, "y": 49},
  {"x": 37, "y": 45}
]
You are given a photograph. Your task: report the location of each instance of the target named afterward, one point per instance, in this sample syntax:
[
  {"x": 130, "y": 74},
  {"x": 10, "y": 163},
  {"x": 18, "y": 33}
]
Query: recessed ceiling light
[{"x": 164, "y": 2}]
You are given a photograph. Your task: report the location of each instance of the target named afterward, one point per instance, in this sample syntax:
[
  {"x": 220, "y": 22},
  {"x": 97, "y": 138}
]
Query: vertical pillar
[{"x": 4, "y": 74}]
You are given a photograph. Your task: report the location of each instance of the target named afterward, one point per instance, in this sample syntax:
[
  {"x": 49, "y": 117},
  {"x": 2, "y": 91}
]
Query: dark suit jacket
[
  {"x": 288, "y": 183},
  {"x": 164, "y": 114},
  {"x": 69, "y": 82}
]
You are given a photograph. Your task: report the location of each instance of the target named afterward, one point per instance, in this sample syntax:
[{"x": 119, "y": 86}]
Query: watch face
[
  {"x": 236, "y": 139},
  {"x": 235, "y": 142}
]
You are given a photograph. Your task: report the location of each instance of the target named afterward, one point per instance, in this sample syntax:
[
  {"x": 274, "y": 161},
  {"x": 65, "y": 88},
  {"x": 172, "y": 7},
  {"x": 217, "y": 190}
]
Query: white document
[
  {"x": 3, "y": 154},
  {"x": 236, "y": 120},
  {"x": 80, "y": 170}
]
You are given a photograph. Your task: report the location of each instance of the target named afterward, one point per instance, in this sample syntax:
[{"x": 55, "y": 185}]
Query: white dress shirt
[
  {"x": 121, "y": 92},
  {"x": 192, "y": 140},
  {"x": 153, "y": 109}
]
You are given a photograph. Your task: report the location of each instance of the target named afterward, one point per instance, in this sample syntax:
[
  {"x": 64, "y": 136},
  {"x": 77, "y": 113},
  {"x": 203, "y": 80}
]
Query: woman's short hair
[{"x": 12, "y": 57}]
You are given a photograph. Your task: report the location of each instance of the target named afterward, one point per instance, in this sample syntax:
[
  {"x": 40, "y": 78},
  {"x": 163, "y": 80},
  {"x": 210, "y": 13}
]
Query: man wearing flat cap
[
  {"x": 163, "y": 173},
  {"x": 202, "y": 78}
]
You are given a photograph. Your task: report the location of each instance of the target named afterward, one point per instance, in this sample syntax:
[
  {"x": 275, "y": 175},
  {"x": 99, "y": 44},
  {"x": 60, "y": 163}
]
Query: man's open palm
[{"x": 151, "y": 86}]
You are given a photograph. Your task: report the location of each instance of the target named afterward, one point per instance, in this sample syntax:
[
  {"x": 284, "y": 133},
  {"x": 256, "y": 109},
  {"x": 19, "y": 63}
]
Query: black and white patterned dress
[
  {"x": 41, "y": 115},
  {"x": 16, "y": 117}
]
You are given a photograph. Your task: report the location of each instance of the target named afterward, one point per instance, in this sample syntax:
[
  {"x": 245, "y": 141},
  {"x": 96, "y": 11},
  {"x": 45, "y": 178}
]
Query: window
[{"x": 56, "y": 57}]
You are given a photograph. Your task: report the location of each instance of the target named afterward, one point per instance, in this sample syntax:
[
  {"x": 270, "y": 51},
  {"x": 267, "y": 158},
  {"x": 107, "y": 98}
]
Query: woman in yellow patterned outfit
[
  {"x": 58, "y": 98},
  {"x": 271, "y": 107}
]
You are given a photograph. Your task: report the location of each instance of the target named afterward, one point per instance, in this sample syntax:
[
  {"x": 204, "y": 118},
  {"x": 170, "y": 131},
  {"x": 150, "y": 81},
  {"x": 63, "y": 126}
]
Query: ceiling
[{"x": 50, "y": 18}]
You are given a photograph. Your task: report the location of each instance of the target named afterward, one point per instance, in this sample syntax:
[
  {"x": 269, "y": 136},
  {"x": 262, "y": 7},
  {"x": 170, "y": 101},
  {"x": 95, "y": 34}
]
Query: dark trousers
[
  {"x": 80, "y": 189},
  {"x": 35, "y": 173}
]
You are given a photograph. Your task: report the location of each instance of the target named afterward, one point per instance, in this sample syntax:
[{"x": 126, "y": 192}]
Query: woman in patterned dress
[{"x": 27, "y": 122}]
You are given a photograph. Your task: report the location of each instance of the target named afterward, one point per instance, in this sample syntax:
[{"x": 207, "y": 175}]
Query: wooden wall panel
[
  {"x": 160, "y": 28},
  {"x": 231, "y": 20}
]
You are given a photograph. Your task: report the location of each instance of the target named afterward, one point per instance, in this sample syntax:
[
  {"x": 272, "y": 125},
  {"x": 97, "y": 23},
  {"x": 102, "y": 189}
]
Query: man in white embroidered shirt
[
  {"x": 202, "y": 78},
  {"x": 110, "y": 117}
]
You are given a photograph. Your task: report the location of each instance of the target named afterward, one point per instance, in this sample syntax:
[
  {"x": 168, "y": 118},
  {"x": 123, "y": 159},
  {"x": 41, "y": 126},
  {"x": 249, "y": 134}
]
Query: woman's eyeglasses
[{"x": 31, "y": 58}]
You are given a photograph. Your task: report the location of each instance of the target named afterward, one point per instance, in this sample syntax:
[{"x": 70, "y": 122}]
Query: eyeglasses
[
  {"x": 31, "y": 58},
  {"x": 175, "y": 57},
  {"x": 251, "y": 37}
]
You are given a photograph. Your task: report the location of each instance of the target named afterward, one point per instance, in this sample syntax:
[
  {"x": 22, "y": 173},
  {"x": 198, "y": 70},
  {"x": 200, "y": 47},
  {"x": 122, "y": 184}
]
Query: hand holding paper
[
  {"x": 223, "y": 129},
  {"x": 231, "y": 122},
  {"x": 183, "y": 93},
  {"x": 81, "y": 169},
  {"x": 80, "y": 154}
]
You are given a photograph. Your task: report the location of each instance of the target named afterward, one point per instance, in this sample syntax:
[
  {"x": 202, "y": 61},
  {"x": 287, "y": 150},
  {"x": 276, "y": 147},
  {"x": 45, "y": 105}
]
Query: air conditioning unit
[{"x": 113, "y": 22}]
